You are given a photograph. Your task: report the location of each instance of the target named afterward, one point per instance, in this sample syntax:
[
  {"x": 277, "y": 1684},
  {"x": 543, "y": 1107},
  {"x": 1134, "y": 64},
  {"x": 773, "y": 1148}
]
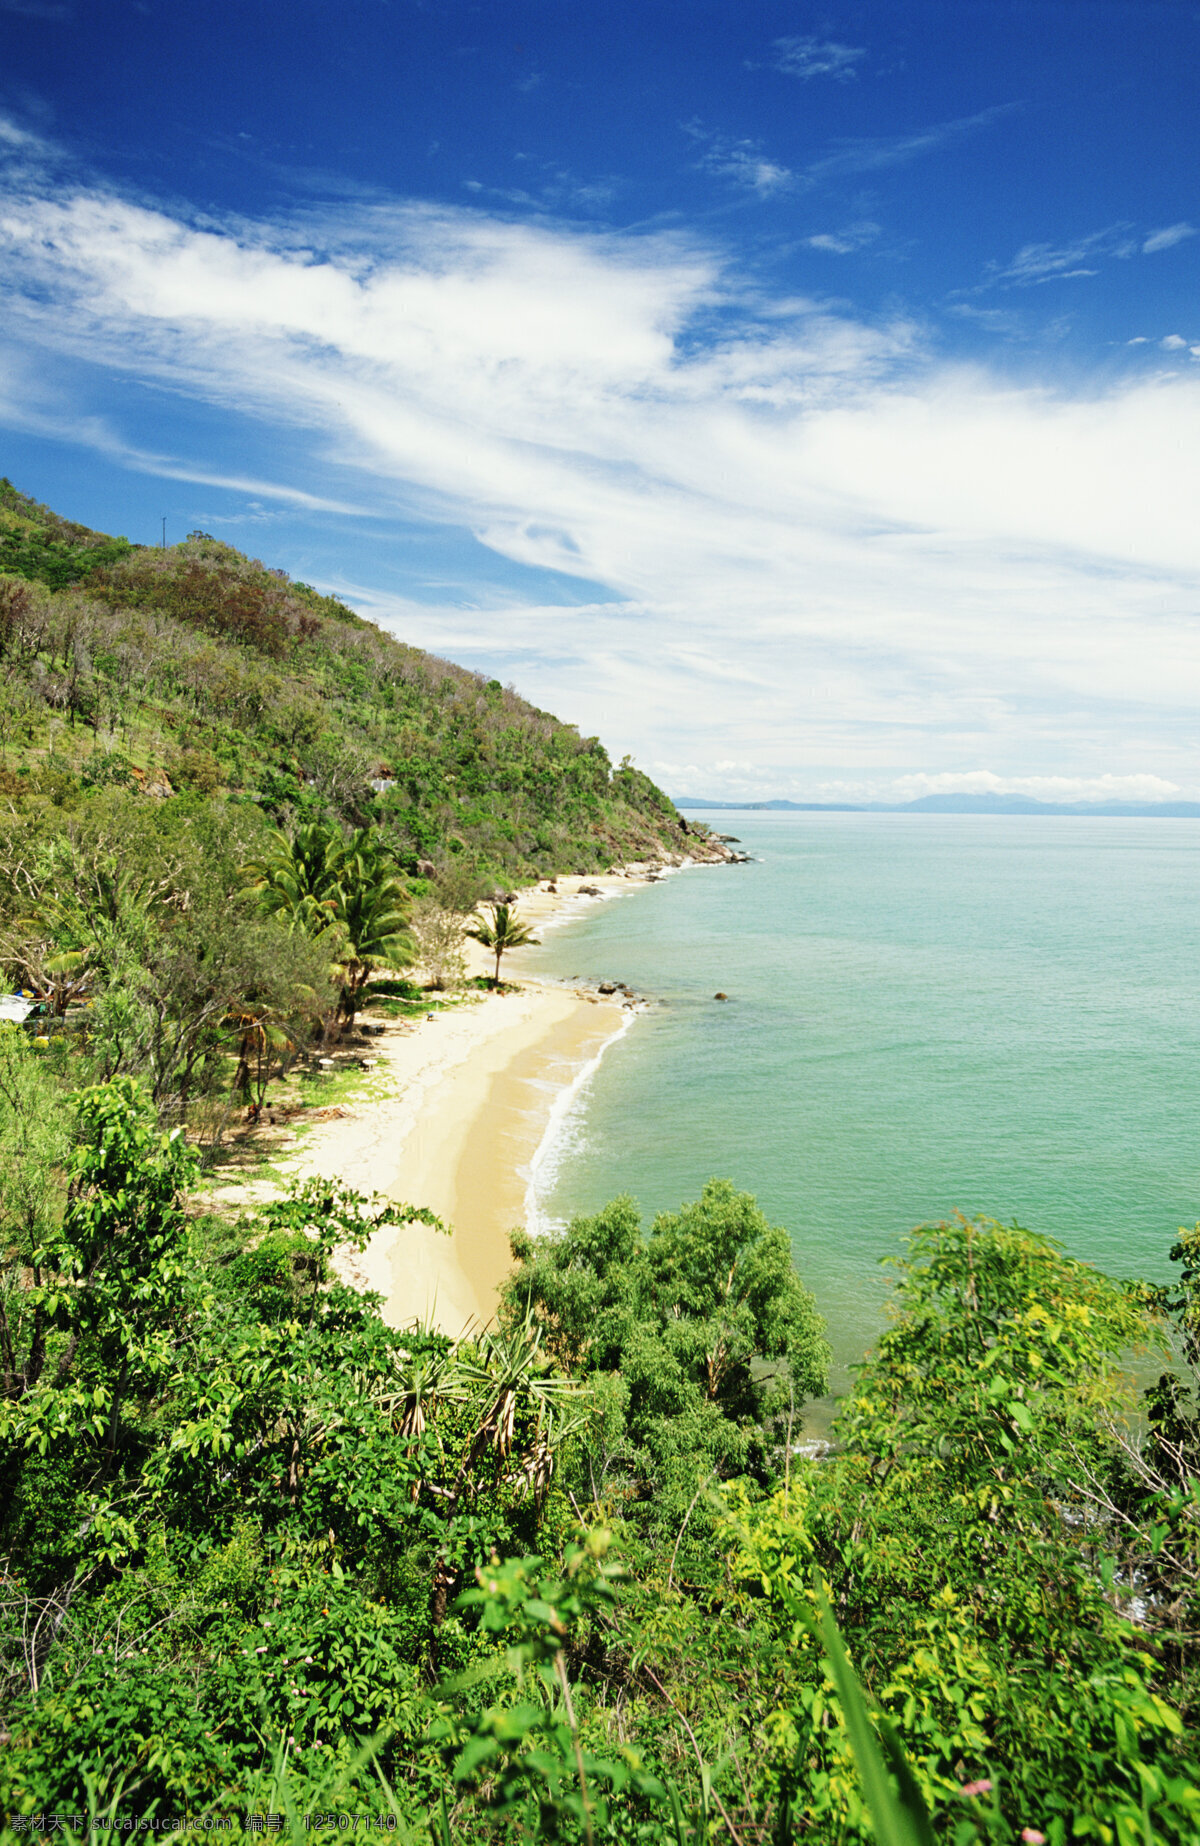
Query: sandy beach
[{"x": 452, "y": 1118}]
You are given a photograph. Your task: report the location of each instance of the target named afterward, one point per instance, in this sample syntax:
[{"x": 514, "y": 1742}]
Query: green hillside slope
[{"x": 195, "y": 668}]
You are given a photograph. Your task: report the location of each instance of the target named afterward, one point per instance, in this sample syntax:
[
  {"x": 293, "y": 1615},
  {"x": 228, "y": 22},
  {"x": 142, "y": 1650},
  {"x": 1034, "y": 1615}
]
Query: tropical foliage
[
  {"x": 266, "y": 1553},
  {"x": 345, "y": 894},
  {"x": 674, "y": 1330},
  {"x": 501, "y": 931},
  {"x": 580, "y": 1576},
  {"x": 196, "y": 670}
]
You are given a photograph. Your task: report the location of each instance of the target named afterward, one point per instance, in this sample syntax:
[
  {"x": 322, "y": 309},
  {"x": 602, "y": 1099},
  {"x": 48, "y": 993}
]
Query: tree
[
  {"x": 698, "y": 1323},
  {"x": 297, "y": 876},
  {"x": 504, "y": 932},
  {"x": 90, "y": 905},
  {"x": 347, "y": 891},
  {"x": 33, "y": 1152},
  {"x": 439, "y": 933},
  {"x": 371, "y": 913}
]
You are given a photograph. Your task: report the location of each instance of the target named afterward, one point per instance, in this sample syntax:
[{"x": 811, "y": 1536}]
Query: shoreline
[
  {"x": 467, "y": 1105},
  {"x": 558, "y": 1116}
]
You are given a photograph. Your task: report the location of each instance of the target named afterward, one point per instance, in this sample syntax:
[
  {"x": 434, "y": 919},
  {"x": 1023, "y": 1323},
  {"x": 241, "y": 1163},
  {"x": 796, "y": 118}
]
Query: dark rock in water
[
  {"x": 589, "y": 890},
  {"x": 608, "y": 987},
  {"x": 730, "y": 839},
  {"x": 720, "y": 996}
]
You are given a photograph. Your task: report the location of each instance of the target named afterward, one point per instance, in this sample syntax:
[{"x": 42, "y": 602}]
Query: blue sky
[{"x": 806, "y": 399}]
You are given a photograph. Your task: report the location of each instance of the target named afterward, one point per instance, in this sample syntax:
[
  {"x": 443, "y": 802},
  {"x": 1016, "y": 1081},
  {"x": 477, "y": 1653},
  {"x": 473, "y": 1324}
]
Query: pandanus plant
[
  {"x": 87, "y": 909},
  {"x": 516, "y": 1408}
]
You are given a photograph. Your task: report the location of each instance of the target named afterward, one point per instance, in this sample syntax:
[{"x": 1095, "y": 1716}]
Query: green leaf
[{"x": 898, "y": 1820}]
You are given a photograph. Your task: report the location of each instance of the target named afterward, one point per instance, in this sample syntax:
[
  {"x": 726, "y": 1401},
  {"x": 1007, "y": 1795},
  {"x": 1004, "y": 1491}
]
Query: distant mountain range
[{"x": 960, "y": 804}]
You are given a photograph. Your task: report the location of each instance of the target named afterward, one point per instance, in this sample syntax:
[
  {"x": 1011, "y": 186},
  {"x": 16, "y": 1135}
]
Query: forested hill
[{"x": 197, "y": 669}]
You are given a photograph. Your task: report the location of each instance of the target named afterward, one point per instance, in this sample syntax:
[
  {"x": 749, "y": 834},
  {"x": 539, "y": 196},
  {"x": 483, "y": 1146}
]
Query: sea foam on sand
[{"x": 468, "y": 1105}]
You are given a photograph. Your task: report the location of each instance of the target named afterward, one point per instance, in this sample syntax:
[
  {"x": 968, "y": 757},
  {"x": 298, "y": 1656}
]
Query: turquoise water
[{"x": 927, "y": 1013}]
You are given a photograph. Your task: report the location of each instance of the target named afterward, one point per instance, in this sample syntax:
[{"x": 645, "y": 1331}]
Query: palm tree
[
  {"x": 505, "y": 931},
  {"x": 372, "y": 919},
  {"x": 320, "y": 882},
  {"x": 297, "y": 877}
]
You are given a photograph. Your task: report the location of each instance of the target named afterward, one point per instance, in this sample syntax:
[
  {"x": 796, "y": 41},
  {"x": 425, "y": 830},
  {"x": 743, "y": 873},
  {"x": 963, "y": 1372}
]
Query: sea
[{"x": 926, "y": 1014}]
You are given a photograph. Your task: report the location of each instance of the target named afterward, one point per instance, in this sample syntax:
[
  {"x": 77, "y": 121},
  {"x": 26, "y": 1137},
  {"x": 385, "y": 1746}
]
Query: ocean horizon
[{"x": 926, "y": 1014}]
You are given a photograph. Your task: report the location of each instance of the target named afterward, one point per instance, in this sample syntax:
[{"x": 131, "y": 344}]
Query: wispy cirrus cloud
[
  {"x": 13, "y": 136},
  {"x": 1083, "y": 256},
  {"x": 38, "y": 9},
  {"x": 815, "y": 545},
  {"x": 742, "y": 161},
  {"x": 869, "y": 154},
  {"x": 552, "y": 189},
  {"x": 808, "y": 57},
  {"x": 1036, "y": 263},
  {"x": 850, "y": 238},
  {"x": 1167, "y": 238}
]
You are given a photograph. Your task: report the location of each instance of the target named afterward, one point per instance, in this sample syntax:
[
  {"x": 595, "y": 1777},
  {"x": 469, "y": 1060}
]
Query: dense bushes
[
  {"x": 256, "y": 1540},
  {"x": 37, "y": 544},
  {"x": 674, "y": 1327},
  {"x": 197, "y": 668}
]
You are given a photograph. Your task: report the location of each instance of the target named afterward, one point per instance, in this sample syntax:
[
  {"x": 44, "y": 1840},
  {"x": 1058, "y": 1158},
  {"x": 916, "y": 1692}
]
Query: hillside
[
  {"x": 272, "y": 1564},
  {"x": 962, "y": 804},
  {"x": 197, "y": 669}
]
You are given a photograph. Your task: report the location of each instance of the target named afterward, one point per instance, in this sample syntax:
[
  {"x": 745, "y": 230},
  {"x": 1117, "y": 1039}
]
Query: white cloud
[
  {"x": 868, "y": 154},
  {"x": 1173, "y": 343},
  {"x": 1036, "y": 263},
  {"x": 13, "y": 136},
  {"x": 1167, "y": 238},
  {"x": 821, "y": 550},
  {"x": 814, "y": 57},
  {"x": 744, "y": 162},
  {"x": 38, "y": 9},
  {"x": 844, "y": 242},
  {"x": 747, "y": 781},
  {"x": 1039, "y": 263}
]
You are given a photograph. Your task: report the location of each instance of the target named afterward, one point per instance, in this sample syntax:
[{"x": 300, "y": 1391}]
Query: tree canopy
[
  {"x": 570, "y": 1580},
  {"x": 701, "y": 1327}
]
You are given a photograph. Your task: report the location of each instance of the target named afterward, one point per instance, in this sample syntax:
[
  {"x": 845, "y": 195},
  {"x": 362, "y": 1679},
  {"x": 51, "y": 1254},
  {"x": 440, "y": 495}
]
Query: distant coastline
[{"x": 957, "y": 804}]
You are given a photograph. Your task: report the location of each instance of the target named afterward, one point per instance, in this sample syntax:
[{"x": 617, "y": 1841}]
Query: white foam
[{"x": 564, "y": 1113}]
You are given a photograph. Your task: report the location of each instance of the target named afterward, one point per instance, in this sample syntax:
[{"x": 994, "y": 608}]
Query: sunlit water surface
[{"x": 926, "y": 1014}]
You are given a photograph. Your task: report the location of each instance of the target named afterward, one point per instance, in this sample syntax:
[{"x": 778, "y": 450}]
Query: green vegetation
[
  {"x": 671, "y": 1330},
  {"x": 40, "y": 545},
  {"x": 227, "y": 802},
  {"x": 196, "y": 670},
  {"x": 573, "y": 1578},
  {"x": 503, "y": 931}
]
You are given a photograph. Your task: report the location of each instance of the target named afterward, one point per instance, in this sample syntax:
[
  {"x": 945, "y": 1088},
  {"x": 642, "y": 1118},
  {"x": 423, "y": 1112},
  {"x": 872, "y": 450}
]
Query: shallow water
[{"x": 927, "y": 1013}]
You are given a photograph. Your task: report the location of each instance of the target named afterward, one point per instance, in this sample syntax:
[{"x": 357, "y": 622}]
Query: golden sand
[{"x": 460, "y": 1104}]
